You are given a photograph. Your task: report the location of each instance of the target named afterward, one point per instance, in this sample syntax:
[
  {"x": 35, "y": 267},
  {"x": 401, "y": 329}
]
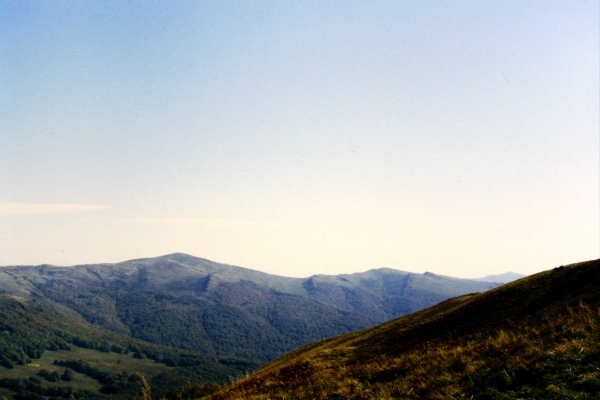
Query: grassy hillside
[
  {"x": 38, "y": 344},
  {"x": 538, "y": 337},
  {"x": 198, "y": 305}
]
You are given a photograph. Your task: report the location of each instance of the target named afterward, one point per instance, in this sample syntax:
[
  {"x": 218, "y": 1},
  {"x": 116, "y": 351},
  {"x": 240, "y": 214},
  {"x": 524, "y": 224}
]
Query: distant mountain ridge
[
  {"x": 501, "y": 278},
  {"x": 196, "y": 304}
]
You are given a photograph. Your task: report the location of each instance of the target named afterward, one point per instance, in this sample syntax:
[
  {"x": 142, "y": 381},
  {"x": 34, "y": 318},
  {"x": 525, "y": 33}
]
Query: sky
[{"x": 301, "y": 137}]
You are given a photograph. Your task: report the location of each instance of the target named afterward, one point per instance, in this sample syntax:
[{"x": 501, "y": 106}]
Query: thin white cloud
[
  {"x": 208, "y": 222},
  {"x": 28, "y": 209}
]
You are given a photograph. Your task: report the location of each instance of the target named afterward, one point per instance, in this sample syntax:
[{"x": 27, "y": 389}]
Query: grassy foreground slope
[{"x": 538, "y": 337}]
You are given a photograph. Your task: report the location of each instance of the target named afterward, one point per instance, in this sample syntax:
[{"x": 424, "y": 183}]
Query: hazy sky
[{"x": 296, "y": 138}]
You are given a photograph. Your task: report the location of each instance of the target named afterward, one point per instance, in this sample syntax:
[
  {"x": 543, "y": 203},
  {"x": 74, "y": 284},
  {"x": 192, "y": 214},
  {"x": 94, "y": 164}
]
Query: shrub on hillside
[{"x": 67, "y": 375}]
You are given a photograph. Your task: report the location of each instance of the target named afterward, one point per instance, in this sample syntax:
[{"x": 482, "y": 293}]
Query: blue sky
[{"x": 298, "y": 138}]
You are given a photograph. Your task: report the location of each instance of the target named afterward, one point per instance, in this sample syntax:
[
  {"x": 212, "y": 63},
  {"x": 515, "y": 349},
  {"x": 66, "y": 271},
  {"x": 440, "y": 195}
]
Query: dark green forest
[{"x": 29, "y": 329}]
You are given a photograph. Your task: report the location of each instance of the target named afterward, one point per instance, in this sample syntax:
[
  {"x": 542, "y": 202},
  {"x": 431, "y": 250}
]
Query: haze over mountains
[{"x": 196, "y": 304}]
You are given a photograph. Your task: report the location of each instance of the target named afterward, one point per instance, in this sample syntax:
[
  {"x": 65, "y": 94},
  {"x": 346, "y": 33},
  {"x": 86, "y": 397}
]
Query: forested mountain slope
[
  {"x": 39, "y": 344},
  {"x": 195, "y": 304}
]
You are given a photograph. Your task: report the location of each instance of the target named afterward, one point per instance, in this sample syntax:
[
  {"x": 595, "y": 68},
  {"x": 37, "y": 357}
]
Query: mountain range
[
  {"x": 538, "y": 337},
  {"x": 198, "y": 305},
  {"x": 173, "y": 327}
]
